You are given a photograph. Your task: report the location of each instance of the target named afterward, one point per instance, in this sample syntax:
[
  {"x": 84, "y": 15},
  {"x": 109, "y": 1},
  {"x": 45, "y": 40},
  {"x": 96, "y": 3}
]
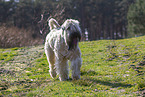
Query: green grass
[{"x": 113, "y": 68}]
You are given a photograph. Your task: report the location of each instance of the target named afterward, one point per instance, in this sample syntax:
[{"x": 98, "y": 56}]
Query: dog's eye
[{"x": 68, "y": 28}]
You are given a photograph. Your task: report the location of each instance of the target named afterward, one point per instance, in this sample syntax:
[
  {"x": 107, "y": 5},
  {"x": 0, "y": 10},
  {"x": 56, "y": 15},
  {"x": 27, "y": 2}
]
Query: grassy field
[{"x": 110, "y": 68}]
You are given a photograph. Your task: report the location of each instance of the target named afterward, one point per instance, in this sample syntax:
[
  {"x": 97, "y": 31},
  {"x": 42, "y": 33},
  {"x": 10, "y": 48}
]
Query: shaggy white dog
[{"x": 62, "y": 45}]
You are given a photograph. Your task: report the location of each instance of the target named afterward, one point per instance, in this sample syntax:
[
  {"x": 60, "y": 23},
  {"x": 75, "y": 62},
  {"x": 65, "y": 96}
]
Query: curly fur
[
  {"x": 53, "y": 24},
  {"x": 62, "y": 45}
]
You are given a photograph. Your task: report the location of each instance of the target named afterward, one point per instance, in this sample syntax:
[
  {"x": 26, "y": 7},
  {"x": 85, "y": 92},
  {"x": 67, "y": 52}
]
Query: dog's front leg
[
  {"x": 75, "y": 66},
  {"x": 62, "y": 69}
]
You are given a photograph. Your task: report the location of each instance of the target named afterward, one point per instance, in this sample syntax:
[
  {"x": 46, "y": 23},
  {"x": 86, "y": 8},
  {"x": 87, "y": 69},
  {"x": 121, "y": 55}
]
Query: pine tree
[{"x": 136, "y": 18}]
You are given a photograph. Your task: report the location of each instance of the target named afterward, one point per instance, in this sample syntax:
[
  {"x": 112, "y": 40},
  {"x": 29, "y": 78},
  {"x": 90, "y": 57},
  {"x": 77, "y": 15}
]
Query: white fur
[
  {"x": 57, "y": 53},
  {"x": 53, "y": 24}
]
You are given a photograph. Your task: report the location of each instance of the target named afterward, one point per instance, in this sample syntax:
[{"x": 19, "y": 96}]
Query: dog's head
[{"x": 72, "y": 33}]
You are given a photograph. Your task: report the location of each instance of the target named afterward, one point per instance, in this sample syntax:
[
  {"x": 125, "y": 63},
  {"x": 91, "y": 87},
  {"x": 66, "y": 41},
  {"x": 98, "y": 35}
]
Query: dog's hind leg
[{"x": 51, "y": 60}]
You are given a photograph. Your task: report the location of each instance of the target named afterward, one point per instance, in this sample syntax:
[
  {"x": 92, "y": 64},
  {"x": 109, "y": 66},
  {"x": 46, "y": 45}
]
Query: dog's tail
[{"x": 53, "y": 24}]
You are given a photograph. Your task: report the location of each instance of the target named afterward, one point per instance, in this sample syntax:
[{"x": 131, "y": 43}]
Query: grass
[{"x": 113, "y": 68}]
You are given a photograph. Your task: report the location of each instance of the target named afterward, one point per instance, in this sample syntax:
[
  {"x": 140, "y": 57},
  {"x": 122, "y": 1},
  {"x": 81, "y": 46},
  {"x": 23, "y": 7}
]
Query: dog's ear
[{"x": 53, "y": 24}]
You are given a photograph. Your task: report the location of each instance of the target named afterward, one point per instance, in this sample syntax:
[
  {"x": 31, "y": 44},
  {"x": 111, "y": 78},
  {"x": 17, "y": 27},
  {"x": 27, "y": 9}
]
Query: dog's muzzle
[{"x": 73, "y": 40}]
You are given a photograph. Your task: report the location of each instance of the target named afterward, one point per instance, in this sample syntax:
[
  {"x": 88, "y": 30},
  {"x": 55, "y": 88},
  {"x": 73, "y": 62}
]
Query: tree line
[{"x": 103, "y": 19}]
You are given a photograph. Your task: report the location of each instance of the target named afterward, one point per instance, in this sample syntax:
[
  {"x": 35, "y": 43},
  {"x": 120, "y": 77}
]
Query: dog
[{"x": 61, "y": 46}]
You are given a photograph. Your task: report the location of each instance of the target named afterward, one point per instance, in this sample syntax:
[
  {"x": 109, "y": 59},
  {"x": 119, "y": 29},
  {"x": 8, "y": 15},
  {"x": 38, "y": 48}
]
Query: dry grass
[{"x": 15, "y": 37}]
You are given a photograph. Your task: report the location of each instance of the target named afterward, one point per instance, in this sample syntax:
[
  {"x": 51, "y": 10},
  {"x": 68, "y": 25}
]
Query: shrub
[{"x": 15, "y": 37}]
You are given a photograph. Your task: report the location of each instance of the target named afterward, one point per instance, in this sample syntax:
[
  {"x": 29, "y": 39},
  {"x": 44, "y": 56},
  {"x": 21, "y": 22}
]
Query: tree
[
  {"x": 6, "y": 11},
  {"x": 121, "y": 9},
  {"x": 104, "y": 19},
  {"x": 136, "y": 17},
  {"x": 24, "y": 14}
]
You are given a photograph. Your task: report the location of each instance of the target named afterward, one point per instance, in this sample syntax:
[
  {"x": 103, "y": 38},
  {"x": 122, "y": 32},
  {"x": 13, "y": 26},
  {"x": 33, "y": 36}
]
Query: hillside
[{"x": 112, "y": 68}]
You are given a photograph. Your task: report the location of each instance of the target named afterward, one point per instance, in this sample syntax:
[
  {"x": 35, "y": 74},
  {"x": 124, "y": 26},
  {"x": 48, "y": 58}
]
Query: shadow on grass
[
  {"x": 89, "y": 82},
  {"x": 89, "y": 72},
  {"x": 4, "y": 71}
]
